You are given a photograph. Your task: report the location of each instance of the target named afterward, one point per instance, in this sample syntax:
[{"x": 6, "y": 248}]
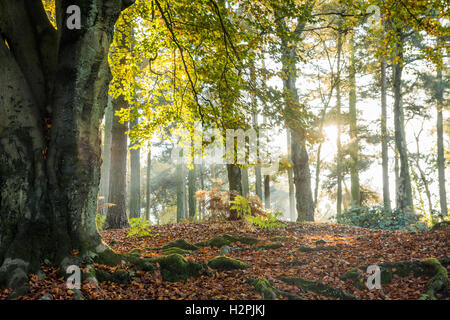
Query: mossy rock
[
  {"x": 226, "y": 263},
  {"x": 438, "y": 282},
  {"x": 216, "y": 241},
  {"x": 175, "y": 268},
  {"x": 319, "y": 288},
  {"x": 226, "y": 240},
  {"x": 180, "y": 243},
  {"x": 265, "y": 289},
  {"x": 270, "y": 246},
  {"x": 357, "y": 278},
  {"x": 177, "y": 250},
  {"x": 120, "y": 276},
  {"x": 241, "y": 239},
  {"x": 428, "y": 267}
]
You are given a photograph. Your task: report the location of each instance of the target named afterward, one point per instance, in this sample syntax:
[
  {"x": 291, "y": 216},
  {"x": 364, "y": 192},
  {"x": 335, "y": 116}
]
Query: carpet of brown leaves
[{"x": 356, "y": 246}]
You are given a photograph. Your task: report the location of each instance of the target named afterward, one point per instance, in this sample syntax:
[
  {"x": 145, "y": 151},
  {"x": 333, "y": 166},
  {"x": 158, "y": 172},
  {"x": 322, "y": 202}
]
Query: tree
[
  {"x": 384, "y": 131},
  {"x": 192, "y": 188},
  {"x": 116, "y": 215},
  {"x": 354, "y": 146},
  {"x": 404, "y": 190},
  {"x": 300, "y": 159},
  {"x": 53, "y": 86},
  {"x": 148, "y": 186},
  {"x": 440, "y": 138},
  {"x": 338, "y": 120},
  {"x": 135, "y": 179}
]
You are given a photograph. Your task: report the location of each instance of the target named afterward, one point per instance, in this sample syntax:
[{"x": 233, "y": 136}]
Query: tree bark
[
  {"x": 106, "y": 156},
  {"x": 234, "y": 185},
  {"x": 53, "y": 92}
]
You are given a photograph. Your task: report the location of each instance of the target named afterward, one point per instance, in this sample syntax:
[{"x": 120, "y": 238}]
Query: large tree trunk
[
  {"x": 354, "y": 146},
  {"x": 106, "y": 156},
  {"x": 404, "y": 190},
  {"x": 384, "y": 135},
  {"x": 135, "y": 180},
  {"x": 53, "y": 92},
  {"x": 440, "y": 144}
]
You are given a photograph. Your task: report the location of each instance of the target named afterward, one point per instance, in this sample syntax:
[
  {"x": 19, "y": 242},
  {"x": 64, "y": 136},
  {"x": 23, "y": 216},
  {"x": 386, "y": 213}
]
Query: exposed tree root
[
  {"x": 319, "y": 288},
  {"x": 265, "y": 288},
  {"x": 429, "y": 267}
]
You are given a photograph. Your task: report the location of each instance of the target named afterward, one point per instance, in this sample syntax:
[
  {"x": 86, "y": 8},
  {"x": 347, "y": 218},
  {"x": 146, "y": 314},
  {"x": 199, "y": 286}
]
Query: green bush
[
  {"x": 269, "y": 221},
  {"x": 376, "y": 217},
  {"x": 139, "y": 227}
]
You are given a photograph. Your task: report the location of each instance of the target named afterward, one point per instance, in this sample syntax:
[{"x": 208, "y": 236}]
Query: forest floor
[{"x": 331, "y": 250}]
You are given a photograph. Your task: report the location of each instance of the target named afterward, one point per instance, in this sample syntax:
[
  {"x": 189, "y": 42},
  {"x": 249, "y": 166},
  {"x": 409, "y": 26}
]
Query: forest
[{"x": 224, "y": 150}]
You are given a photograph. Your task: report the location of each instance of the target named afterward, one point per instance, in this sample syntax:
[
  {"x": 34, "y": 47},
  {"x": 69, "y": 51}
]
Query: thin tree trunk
[
  {"x": 317, "y": 180},
  {"x": 384, "y": 134},
  {"x": 354, "y": 145},
  {"x": 192, "y": 188},
  {"x": 267, "y": 192},
  {"x": 258, "y": 176},
  {"x": 404, "y": 191},
  {"x": 245, "y": 184},
  {"x": 202, "y": 186},
  {"x": 135, "y": 180},
  {"x": 440, "y": 144},
  {"x": 338, "y": 121},
  {"x": 148, "y": 185},
  {"x": 181, "y": 188},
  {"x": 423, "y": 177},
  {"x": 290, "y": 178}
]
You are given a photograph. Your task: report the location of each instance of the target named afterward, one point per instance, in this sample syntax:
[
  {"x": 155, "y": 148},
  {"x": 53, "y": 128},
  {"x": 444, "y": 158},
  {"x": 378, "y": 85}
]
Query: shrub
[
  {"x": 140, "y": 228},
  {"x": 376, "y": 217}
]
